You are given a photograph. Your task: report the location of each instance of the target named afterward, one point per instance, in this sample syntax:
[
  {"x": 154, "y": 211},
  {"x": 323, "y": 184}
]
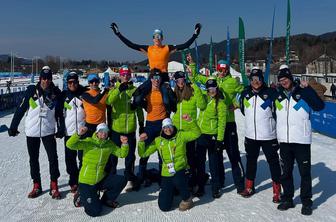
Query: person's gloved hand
[
  {"x": 59, "y": 134},
  {"x": 13, "y": 132},
  {"x": 219, "y": 145},
  {"x": 115, "y": 29},
  {"x": 198, "y": 27},
  {"x": 123, "y": 86}
]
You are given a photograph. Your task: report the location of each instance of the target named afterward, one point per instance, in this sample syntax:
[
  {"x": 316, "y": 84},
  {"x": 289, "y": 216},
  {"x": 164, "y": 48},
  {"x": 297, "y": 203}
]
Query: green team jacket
[
  {"x": 123, "y": 117},
  {"x": 189, "y": 107},
  {"x": 176, "y": 146},
  {"x": 228, "y": 86},
  {"x": 212, "y": 120},
  {"x": 95, "y": 155}
]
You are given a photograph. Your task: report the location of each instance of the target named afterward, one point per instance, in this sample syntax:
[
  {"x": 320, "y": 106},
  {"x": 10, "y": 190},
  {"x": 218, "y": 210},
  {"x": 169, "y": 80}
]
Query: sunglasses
[
  {"x": 156, "y": 77},
  {"x": 180, "y": 80},
  {"x": 255, "y": 78},
  {"x": 73, "y": 82},
  {"x": 212, "y": 89},
  {"x": 157, "y": 36},
  {"x": 45, "y": 78},
  {"x": 222, "y": 69},
  {"x": 168, "y": 127},
  {"x": 94, "y": 81}
]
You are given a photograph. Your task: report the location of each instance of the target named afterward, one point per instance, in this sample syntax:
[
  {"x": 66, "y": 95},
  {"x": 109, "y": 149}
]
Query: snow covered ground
[{"x": 15, "y": 184}]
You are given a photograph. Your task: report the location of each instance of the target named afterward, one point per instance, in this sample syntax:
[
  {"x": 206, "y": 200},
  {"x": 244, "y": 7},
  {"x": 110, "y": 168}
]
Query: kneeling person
[
  {"x": 92, "y": 176},
  {"x": 171, "y": 145}
]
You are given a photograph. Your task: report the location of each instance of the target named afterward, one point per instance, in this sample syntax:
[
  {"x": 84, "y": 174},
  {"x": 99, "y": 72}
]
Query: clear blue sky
[{"x": 79, "y": 29}]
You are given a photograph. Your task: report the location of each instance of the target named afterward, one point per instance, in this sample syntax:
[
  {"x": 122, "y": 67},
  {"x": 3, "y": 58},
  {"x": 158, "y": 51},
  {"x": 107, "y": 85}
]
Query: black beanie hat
[
  {"x": 257, "y": 72},
  {"x": 179, "y": 74},
  {"x": 72, "y": 75},
  {"x": 211, "y": 83},
  {"x": 285, "y": 72}
]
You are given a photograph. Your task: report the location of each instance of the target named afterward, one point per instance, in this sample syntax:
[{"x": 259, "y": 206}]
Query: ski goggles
[
  {"x": 157, "y": 36},
  {"x": 156, "y": 77},
  {"x": 255, "y": 79},
  {"x": 212, "y": 89},
  {"x": 94, "y": 81},
  {"x": 168, "y": 127},
  {"x": 72, "y": 82},
  {"x": 180, "y": 80}
]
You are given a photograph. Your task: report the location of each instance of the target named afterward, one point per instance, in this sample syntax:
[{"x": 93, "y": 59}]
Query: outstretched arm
[
  {"x": 142, "y": 48},
  {"x": 187, "y": 44}
]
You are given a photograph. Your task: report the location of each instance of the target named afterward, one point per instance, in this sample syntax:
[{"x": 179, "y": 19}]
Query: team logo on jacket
[
  {"x": 279, "y": 97},
  {"x": 265, "y": 96},
  {"x": 298, "y": 96}
]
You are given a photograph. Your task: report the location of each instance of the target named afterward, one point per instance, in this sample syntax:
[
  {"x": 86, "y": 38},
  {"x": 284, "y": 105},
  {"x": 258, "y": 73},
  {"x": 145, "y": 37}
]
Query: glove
[
  {"x": 115, "y": 29},
  {"x": 13, "y": 132},
  {"x": 59, "y": 134},
  {"x": 123, "y": 86},
  {"x": 141, "y": 128},
  {"x": 198, "y": 27},
  {"x": 219, "y": 145}
]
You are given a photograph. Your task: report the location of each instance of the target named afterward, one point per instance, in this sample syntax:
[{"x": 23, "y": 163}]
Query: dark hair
[{"x": 184, "y": 94}]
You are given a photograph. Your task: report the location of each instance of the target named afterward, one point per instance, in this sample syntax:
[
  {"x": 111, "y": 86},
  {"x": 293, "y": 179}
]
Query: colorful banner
[
  {"x": 210, "y": 57},
  {"x": 242, "y": 51},
  {"x": 269, "y": 58},
  {"x": 228, "y": 48},
  {"x": 288, "y": 31}
]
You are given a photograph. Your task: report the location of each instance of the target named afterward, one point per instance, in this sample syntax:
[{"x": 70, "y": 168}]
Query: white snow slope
[{"x": 15, "y": 183}]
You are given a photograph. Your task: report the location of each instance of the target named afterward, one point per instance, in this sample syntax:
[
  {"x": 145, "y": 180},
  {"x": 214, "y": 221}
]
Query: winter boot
[
  {"x": 216, "y": 194},
  {"x": 276, "y": 192},
  {"x": 73, "y": 188},
  {"x": 249, "y": 188},
  {"x": 285, "y": 205},
  {"x": 55, "y": 194},
  {"x": 306, "y": 210},
  {"x": 186, "y": 204},
  {"x": 76, "y": 199},
  {"x": 37, "y": 190}
]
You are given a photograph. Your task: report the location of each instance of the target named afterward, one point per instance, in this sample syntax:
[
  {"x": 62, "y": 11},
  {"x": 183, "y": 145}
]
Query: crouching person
[
  {"x": 171, "y": 145},
  {"x": 92, "y": 177}
]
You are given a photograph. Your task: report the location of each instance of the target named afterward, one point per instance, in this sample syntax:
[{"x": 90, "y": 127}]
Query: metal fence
[{"x": 12, "y": 100}]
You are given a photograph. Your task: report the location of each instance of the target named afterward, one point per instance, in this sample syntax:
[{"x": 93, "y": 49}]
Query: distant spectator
[
  {"x": 333, "y": 91},
  {"x": 318, "y": 87}
]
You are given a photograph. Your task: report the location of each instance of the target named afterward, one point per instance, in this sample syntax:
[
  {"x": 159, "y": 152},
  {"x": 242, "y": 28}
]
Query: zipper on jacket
[
  {"x": 255, "y": 113},
  {"x": 76, "y": 115},
  {"x": 126, "y": 112},
  {"x": 100, "y": 158},
  {"x": 181, "y": 116},
  {"x": 288, "y": 102}
]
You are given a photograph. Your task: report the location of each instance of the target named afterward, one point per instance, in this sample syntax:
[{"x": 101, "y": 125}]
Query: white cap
[
  {"x": 283, "y": 67},
  {"x": 167, "y": 122},
  {"x": 46, "y": 67},
  {"x": 102, "y": 126}
]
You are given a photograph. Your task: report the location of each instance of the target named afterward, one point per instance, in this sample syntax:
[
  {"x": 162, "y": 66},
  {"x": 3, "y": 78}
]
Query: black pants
[
  {"x": 72, "y": 168},
  {"x": 89, "y": 198},
  {"x": 153, "y": 130},
  {"x": 207, "y": 143},
  {"x": 192, "y": 162},
  {"x": 232, "y": 150},
  {"x": 129, "y": 160},
  {"x": 168, "y": 185},
  {"x": 33, "y": 144},
  {"x": 301, "y": 153},
  {"x": 270, "y": 149}
]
